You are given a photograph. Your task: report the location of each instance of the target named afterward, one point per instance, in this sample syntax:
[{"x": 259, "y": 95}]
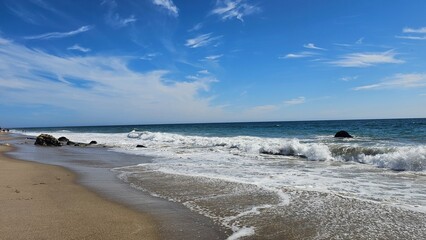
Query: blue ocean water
[{"x": 398, "y": 130}]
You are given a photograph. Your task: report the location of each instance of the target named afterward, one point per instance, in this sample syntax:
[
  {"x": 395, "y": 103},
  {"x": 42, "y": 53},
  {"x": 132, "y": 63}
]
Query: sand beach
[{"x": 43, "y": 202}]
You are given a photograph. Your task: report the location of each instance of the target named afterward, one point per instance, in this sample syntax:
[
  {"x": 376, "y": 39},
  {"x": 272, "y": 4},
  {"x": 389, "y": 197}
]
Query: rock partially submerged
[
  {"x": 342, "y": 134},
  {"x": 140, "y": 146},
  {"x": 63, "y": 139},
  {"x": 47, "y": 140}
]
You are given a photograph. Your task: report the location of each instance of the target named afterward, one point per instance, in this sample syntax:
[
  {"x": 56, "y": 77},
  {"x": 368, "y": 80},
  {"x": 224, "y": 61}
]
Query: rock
[
  {"x": 63, "y": 139},
  {"x": 140, "y": 146},
  {"x": 93, "y": 142},
  {"x": 47, "y": 140},
  {"x": 342, "y": 134},
  {"x": 70, "y": 143}
]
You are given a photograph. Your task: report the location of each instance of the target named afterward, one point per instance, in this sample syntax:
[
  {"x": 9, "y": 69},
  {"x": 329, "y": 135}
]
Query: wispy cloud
[
  {"x": 168, "y": 5},
  {"x": 295, "y": 101},
  {"x": 213, "y": 58},
  {"x": 79, "y": 48},
  {"x": 414, "y": 30},
  {"x": 149, "y": 56},
  {"x": 60, "y": 34},
  {"x": 202, "y": 40},
  {"x": 204, "y": 71},
  {"x": 196, "y": 27},
  {"x": 398, "y": 81},
  {"x": 367, "y": 59},
  {"x": 114, "y": 19},
  {"x": 229, "y": 9},
  {"x": 303, "y": 54},
  {"x": 312, "y": 46},
  {"x": 348, "y": 78},
  {"x": 94, "y": 86},
  {"x": 412, "y": 37},
  {"x": 360, "y": 40}
]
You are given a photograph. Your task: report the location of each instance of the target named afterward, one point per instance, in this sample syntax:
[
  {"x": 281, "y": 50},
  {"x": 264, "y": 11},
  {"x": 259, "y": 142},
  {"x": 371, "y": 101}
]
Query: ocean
[{"x": 276, "y": 180}]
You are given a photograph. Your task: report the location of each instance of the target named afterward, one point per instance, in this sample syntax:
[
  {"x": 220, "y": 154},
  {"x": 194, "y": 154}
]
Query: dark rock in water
[
  {"x": 63, "y": 139},
  {"x": 47, "y": 140},
  {"x": 93, "y": 142},
  {"x": 70, "y": 143},
  {"x": 140, "y": 146},
  {"x": 342, "y": 134}
]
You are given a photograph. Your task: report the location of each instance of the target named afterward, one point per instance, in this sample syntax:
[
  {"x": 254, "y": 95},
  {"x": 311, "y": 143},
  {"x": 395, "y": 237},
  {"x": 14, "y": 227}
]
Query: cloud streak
[
  {"x": 85, "y": 85},
  {"x": 114, "y": 19},
  {"x": 202, "y": 40},
  {"x": 398, "y": 81},
  {"x": 53, "y": 35},
  {"x": 414, "y": 30},
  {"x": 295, "y": 101},
  {"x": 303, "y": 54},
  {"x": 312, "y": 46},
  {"x": 79, "y": 48},
  {"x": 168, "y": 5},
  {"x": 367, "y": 59},
  {"x": 230, "y": 9}
]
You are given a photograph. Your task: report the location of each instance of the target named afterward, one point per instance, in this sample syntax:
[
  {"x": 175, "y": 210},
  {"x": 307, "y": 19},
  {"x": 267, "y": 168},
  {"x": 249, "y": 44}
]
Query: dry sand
[{"x": 43, "y": 202}]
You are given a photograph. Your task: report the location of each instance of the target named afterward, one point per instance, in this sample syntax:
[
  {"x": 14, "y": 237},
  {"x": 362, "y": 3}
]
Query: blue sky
[{"x": 174, "y": 61}]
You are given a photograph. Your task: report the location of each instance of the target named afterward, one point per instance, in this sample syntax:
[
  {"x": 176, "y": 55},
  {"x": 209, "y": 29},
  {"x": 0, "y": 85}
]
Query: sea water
[{"x": 262, "y": 179}]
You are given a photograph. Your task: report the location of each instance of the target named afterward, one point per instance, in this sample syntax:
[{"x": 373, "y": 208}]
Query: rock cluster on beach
[
  {"x": 50, "y": 141},
  {"x": 47, "y": 140}
]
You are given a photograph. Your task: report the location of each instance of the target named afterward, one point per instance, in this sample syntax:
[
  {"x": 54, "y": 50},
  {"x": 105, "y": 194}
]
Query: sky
[{"x": 112, "y": 62}]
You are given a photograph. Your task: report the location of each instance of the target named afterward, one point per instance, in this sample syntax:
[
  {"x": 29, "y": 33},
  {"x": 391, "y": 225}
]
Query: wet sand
[
  {"x": 91, "y": 169},
  {"x": 40, "y": 201}
]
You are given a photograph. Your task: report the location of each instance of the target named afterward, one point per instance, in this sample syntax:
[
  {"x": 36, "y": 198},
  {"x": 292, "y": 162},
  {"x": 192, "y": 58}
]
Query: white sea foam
[{"x": 273, "y": 163}]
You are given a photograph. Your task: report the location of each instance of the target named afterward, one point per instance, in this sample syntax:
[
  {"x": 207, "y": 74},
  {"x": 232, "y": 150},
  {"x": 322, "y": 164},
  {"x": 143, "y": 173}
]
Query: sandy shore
[{"x": 40, "y": 201}]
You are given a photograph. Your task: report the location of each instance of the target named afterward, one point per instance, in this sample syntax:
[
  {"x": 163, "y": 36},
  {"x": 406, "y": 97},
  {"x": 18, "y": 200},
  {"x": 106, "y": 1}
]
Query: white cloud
[
  {"x": 295, "y": 101},
  {"x": 114, "y": 19},
  {"x": 412, "y": 37},
  {"x": 204, "y": 71},
  {"x": 79, "y": 48},
  {"x": 414, "y": 30},
  {"x": 213, "y": 58},
  {"x": 360, "y": 40},
  {"x": 99, "y": 89},
  {"x": 149, "y": 56},
  {"x": 196, "y": 27},
  {"x": 398, "y": 81},
  {"x": 312, "y": 46},
  {"x": 168, "y": 5},
  {"x": 60, "y": 34},
  {"x": 298, "y": 55},
  {"x": 348, "y": 78},
  {"x": 229, "y": 9},
  {"x": 201, "y": 40},
  {"x": 366, "y": 59}
]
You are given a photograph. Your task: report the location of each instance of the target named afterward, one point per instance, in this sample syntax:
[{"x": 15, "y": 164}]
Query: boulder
[
  {"x": 342, "y": 134},
  {"x": 93, "y": 142},
  {"x": 140, "y": 146},
  {"x": 47, "y": 140},
  {"x": 63, "y": 139}
]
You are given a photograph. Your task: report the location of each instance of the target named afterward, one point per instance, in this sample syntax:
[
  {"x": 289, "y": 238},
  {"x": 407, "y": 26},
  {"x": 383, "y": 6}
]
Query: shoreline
[
  {"x": 92, "y": 170},
  {"x": 42, "y": 201}
]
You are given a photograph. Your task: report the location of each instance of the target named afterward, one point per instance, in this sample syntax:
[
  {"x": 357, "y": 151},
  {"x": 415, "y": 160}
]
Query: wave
[
  {"x": 399, "y": 158},
  {"x": 383, "y": 155}
]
